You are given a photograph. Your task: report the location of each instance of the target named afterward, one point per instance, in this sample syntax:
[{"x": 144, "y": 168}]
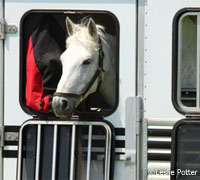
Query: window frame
[
  {"x": 177, "y": 62},
  {"x": 22, "y": 78}
]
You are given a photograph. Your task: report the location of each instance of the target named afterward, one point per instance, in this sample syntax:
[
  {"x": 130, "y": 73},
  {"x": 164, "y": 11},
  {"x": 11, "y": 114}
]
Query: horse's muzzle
[{"x": 63, "y": 107}]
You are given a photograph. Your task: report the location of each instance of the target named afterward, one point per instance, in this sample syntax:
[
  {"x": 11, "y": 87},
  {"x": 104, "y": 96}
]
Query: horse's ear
[
  {"x": 92, "y": 28},
  {"x": 69, "y": 26}
]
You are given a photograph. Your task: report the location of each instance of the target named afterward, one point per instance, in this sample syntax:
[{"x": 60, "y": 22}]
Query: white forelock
[{"x": 82, "y": 36}]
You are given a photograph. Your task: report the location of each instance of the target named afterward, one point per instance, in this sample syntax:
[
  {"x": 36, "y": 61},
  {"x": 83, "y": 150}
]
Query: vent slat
[
  {"x": 159, "y": 144},
  {"x": 159, "y": 132}
]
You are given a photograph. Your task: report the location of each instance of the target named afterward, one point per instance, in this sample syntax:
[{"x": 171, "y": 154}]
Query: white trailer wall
[
  {"x": 124, "y": 10},
  {"x": 158, "y": 108}
]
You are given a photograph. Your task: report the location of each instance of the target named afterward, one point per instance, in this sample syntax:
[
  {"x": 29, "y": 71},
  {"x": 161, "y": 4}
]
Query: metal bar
[
  {"x": 73, "y": 141},
  {"x": 179, "y": 80},
  {"x": 37, "y": 167},
  {"x": 107, "y": 154},
  {"x": 140, "y": 137},
  {"x": 143, "y": 153},
  {"x": 162, "y": 122},
  {"x": 198, "y": 64},
  {"x": 53, "y": 177},
  {"x": 106, "y": 158},
  {"x": 89, "y": 152},
  {"x": 73, "y": 124},
  {"x": 131, "y": 143},
  {"x": 19, "y": 164},
  {"x": 1, "y": 88},
  {"x": 140, "y": 44}
]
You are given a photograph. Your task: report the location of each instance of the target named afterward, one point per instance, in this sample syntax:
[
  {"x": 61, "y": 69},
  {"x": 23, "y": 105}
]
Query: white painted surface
[
  {"x": 14, "y": 10},
  {"x": 158, "y": 56},
  {"x": 157, "y": 53},
  {"x": 158, "y": 106},
  {"x": 10, "y": 168},
  {"x": 127, "y": 52}
]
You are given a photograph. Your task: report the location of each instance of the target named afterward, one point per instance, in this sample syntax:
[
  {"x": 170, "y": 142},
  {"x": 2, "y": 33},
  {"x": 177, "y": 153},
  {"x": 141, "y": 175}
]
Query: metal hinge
[
  {"x": 11, "y": 136},
  {"x": 6, "y": 29},
  {"x": 139, "y": 112},
  {"x": 133, "y": 116},
  {"x": 1, "y": 136},
  {"x": 7, "y": 136}
]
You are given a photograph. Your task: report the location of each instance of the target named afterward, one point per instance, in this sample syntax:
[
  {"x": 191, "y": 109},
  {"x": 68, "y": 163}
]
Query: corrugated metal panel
[{"x": 159, "y": 147}]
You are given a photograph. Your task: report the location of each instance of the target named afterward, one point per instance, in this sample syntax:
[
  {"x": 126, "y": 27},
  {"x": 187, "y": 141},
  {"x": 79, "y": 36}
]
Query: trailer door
[
  {"x": 185, "y": 147},
  {"x": 15, "y": 114}
]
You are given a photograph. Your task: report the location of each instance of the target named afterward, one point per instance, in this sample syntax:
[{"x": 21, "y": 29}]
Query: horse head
[{"x": 82, "y": 67}]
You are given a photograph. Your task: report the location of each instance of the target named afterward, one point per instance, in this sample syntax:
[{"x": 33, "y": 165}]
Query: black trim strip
[
  {"x": 96, "y": 143},
  {"x": 11, "y": 143},
  {"x": 159, "y": 156},
  {"x": 120, "y": 131},
  {"x": 159, "y": 144},
  {"x": 12, "y": 128},
  {"x": 159, "y": 132},
  {"x": 14, "y": 154},
  {"x": 101, "y": 143},
  {"x": 10, "y": 154},
  {"x": 119, "y": 144}
]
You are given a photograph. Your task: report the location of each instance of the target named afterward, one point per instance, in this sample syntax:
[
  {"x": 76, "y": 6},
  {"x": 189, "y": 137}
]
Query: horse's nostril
[{"x": 64, "y": 104}]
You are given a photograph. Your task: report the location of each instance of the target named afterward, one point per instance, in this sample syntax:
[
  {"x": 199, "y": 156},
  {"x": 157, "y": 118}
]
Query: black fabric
[{"x": 49, "y": 42}]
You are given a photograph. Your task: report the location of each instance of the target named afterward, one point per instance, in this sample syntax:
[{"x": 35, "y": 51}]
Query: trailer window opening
[
  {"x": 37, "y": 59},
  {"x": 187, "y": 63}
]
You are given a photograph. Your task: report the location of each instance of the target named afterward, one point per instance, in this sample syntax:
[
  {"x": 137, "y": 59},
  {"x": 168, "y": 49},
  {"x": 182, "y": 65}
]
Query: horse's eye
[{"x": 87, "y": 61}]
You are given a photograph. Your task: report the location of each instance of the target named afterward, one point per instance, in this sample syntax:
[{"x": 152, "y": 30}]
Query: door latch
[{"x": 6, "y": 29}]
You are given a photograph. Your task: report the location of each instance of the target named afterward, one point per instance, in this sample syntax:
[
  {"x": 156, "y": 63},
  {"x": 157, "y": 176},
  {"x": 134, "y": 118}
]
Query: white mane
[{"x": 82, "y": 36}]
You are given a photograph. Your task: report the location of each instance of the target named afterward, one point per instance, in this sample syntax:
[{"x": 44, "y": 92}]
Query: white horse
[{"x": 88, "y": 65}]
